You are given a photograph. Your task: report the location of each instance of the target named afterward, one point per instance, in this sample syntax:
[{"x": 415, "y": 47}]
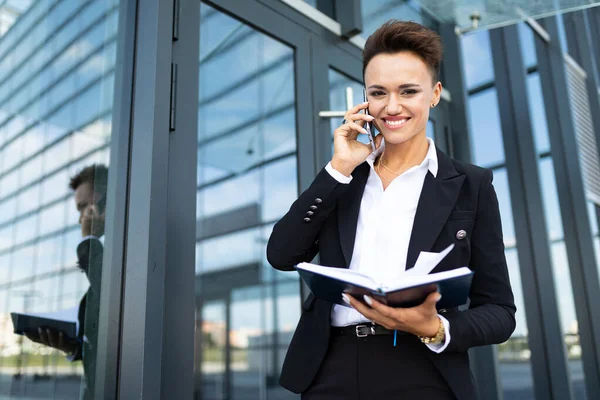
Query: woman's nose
[{"x": 394, "y": 105}]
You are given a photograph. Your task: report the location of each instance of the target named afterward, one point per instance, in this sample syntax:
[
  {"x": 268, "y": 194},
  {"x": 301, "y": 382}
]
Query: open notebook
[
  {"x": 64, "y": 321},
  {"x": 409, "y": 290}
]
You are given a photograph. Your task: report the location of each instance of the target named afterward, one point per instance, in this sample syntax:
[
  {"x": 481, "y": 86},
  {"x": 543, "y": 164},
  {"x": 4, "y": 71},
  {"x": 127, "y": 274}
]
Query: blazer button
[
  {"x": 309, "y": 213},
  {"x": 318, "y": 201},
  {"x": 460, "y": 235},
  {"x": 313, "y": 208},
  {"x": 306, "y": 219}
]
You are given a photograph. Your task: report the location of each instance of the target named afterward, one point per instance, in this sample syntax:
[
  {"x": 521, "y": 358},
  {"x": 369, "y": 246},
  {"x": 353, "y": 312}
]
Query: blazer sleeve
[
  {"x": 295, "y": 237},
  {"x": 490, "y": 318}
]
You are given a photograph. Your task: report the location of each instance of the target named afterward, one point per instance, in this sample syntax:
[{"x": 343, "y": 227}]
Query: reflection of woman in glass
[{"x": 374, "y": 211}]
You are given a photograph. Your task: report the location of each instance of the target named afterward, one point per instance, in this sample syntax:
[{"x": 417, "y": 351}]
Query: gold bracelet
[{"x": 439, "y": 336}]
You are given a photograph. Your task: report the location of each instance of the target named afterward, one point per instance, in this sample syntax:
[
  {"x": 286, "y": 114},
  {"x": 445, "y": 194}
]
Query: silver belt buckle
[{"x": 358, "y": 332}]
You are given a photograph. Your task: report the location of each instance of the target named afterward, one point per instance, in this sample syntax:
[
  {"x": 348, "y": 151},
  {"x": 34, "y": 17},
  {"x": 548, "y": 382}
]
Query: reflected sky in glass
[
  {"x": 246, "y": 160},
  {"x": 485, "y": 130},
  {"x": 477, "y": 58},
  {"x": 376, "y": 12}
]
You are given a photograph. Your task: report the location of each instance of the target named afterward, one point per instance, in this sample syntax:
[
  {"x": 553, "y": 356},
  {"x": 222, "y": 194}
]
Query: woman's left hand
[{"x": 421, "y": 320}]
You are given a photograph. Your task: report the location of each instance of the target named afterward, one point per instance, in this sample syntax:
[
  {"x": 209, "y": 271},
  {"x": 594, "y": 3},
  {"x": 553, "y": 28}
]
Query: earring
[{"x": 433, "y": 105}]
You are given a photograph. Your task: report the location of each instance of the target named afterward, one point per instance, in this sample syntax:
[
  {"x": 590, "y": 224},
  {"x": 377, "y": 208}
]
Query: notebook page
[{"x": 346, "y": 275}]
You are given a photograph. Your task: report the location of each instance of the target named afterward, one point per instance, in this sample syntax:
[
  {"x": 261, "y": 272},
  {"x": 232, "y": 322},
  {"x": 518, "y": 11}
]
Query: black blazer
[{"x": 461, "y": 197}]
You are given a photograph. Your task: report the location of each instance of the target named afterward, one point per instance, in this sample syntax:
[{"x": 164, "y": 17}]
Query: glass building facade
[{"x": 212, "y": 116}]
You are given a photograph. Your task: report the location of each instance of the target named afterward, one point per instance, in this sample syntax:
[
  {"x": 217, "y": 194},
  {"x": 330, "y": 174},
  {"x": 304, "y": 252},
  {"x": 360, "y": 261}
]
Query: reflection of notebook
[{"x": 64, "y": 321}]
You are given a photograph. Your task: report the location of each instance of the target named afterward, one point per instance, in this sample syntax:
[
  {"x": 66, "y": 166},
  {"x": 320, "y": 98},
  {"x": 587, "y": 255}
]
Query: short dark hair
[
  {"x": 95, "y": 174},
  {"x": 396, "y": 36}
]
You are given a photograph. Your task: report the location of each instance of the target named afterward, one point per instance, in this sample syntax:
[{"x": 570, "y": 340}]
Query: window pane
[
  {"x": 376, "y": 12},
  {"x": 537, "y": 112},
  {"x": 562, "y": 274},
  {"x": 477, "y": 55},
  {"x": 527, "y": 42},
  {"x": 247, "y": 179},
  {"x": 516, "y": 377},
  {"x": 485, "y": 130},
  {"x": 57, "y": 62}
]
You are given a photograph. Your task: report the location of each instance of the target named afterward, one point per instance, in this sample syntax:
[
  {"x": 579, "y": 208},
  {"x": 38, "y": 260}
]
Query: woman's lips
[{"x": 396, "y": 123}]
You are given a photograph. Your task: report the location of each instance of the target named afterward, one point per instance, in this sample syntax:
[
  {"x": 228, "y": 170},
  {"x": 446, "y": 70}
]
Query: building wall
[{"x": 57, "y": 68}]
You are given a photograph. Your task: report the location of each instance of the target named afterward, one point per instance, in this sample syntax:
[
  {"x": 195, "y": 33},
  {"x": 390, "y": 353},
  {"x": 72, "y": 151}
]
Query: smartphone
[{"x": 368, "y": 124}]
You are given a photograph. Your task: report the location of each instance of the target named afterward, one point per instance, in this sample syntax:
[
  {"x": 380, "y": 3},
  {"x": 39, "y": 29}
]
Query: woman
[{"x": 375, "y": 211}]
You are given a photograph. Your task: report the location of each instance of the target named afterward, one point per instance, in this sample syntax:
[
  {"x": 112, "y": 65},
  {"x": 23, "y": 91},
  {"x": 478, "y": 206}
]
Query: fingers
[
  {"x": 357, "y": 108},
  {"x": 431, "y": 300},
  {"x": 371, "y": 313},
  {"x": 95, "y": 210},
  {"x": 360, "y": 118},
  {"x": 355, "y": 126}
]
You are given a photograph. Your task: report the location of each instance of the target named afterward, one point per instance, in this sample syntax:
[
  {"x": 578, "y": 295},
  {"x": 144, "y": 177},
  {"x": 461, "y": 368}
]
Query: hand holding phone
[{"x": 348, "y": 152}]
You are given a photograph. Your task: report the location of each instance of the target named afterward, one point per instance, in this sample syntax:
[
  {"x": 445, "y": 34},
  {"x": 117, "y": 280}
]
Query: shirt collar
[{"x": 431, "y": 159}]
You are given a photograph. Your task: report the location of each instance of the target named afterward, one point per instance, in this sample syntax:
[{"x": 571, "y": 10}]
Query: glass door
[{"x": 247, "y": 177}]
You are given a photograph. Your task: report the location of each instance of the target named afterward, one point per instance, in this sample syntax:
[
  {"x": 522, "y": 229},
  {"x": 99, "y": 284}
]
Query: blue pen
[{"x": 395, "y": 334}]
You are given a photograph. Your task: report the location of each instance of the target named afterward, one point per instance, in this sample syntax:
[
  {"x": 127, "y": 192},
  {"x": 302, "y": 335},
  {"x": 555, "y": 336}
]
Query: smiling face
[{"x": 400, "y": 92}]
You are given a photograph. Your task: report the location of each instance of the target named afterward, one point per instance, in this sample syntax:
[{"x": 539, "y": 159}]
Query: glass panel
[
  {"x": 376, "y": 12},
  {"x": 562, "y": 275},
  {"x": 478, "y": 64},
  {"x": 593, "y": 214},
  {"x": 492, "y": 13},
  {"x": 516, "y": 376},
  {"x": 485, "y": 130},
  {"x": 57, "y": 59},
  {"x": 338, "y": 84},
  {"x": 527, "y": 41},
  {"x": 537, "y": 111},
  {"x": 247, "y": 178}
]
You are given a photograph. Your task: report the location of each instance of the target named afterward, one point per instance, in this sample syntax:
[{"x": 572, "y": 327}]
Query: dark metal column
[
  {"x": 580, "y": 48},
  {"x": 579, "y": 28},
  {"x": 548, "y": 358},
  {"x": 454, "y": 81},
  {"x": 145, "y": 261},
  {"x": 593, "y": 23},
  {"x": 180, "y": 269},
  {"x": 571, "y": 194},
  {"x": 349, "y": 15}
]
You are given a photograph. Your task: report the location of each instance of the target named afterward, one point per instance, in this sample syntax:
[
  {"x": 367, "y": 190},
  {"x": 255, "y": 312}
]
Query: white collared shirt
[{"x": 384, "y": 227}]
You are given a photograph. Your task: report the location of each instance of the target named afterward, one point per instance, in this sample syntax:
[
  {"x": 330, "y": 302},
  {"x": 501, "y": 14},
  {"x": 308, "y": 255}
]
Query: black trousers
[{"x": 372, "y": 368}]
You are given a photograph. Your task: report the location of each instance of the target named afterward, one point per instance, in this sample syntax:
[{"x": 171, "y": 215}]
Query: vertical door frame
[
  {"x": 158, "y": 308},
  {"x": 109, "y": 322}
]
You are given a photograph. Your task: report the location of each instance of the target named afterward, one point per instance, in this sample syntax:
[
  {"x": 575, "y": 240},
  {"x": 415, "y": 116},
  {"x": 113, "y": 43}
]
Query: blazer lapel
[
  {"x": 348, "y": 209},
  {"x": 437, "y": 200}
]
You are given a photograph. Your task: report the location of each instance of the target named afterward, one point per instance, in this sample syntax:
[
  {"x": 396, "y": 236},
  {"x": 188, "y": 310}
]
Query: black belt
[{"x": 362, "y": 330}]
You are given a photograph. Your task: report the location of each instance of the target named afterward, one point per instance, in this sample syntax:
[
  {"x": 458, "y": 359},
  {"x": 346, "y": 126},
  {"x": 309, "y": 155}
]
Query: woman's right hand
[{"x": 348, "y": 153}]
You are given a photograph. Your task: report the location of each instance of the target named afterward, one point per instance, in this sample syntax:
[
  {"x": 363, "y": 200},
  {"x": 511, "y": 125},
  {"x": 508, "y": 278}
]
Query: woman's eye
[
  {"x": 377, "y": 94},
  {"x": 409, "y": 92}
]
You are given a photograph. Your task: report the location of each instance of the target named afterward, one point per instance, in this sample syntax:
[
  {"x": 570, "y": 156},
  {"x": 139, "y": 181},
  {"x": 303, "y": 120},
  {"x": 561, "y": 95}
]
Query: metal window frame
[
  {"x": 109, "y": 322},
  {"x": 157, "y": 329},
  {"x": 548, "y": 354},
  {"x": 577, "y": 232},
  {"x": 455, "y": 82}
]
